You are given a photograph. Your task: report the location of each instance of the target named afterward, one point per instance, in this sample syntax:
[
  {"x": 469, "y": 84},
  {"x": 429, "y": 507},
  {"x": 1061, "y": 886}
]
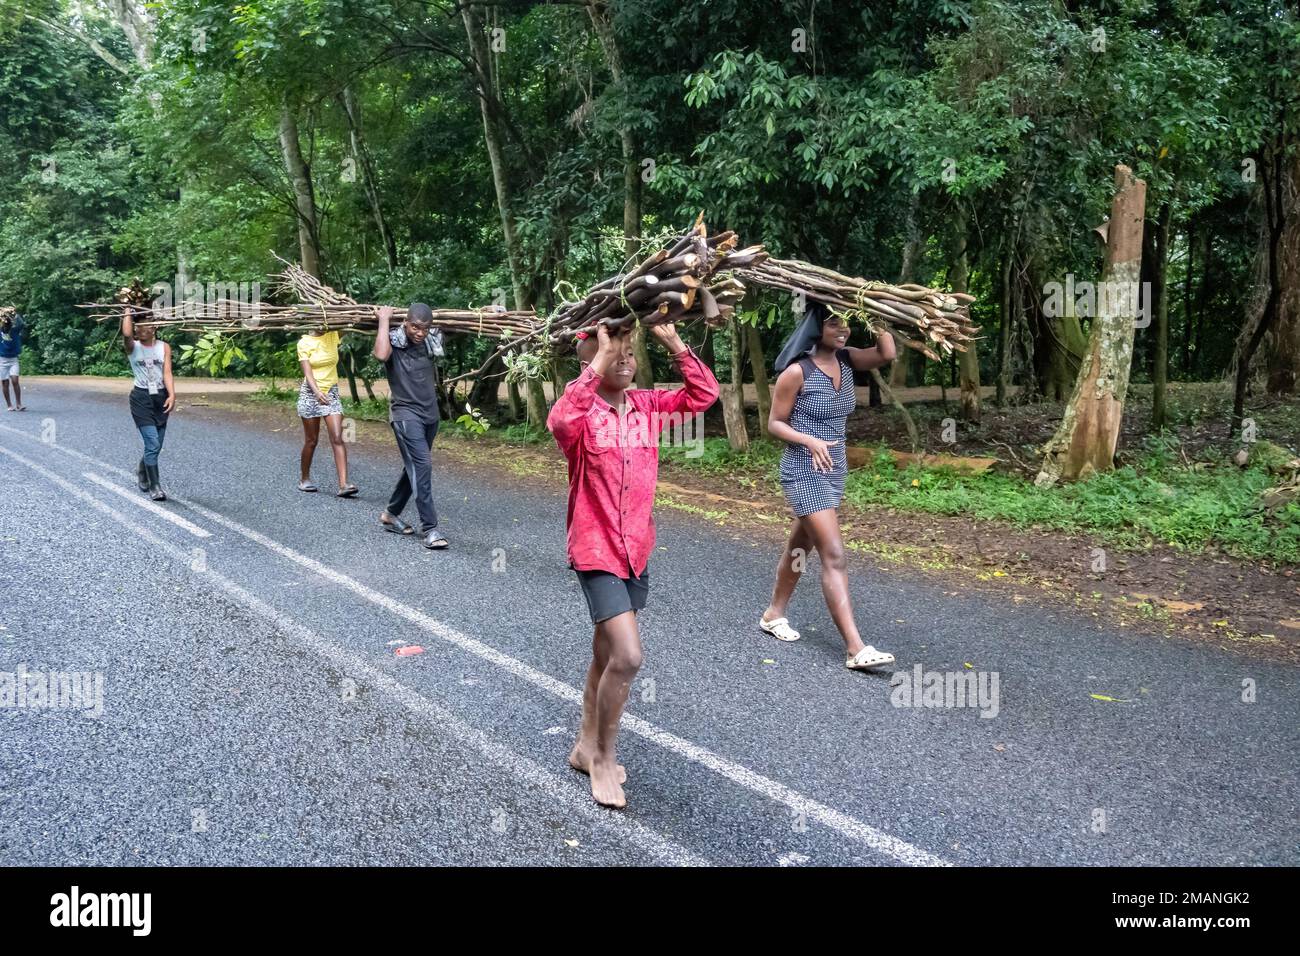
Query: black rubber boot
[
  {"x": 142, "y": 476},
  {"x": 155, "y": 489}
]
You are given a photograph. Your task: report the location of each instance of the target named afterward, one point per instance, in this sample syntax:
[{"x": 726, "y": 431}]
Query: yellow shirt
[{"x": 322, "y": 353}]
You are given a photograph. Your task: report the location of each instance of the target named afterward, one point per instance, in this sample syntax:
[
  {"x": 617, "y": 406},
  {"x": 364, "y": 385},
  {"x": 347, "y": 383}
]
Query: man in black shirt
[{"x": 407, "y": 353}]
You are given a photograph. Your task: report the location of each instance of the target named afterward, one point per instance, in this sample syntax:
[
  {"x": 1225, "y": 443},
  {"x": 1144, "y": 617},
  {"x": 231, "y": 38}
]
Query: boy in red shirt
[{"x": 610, "y": 435}]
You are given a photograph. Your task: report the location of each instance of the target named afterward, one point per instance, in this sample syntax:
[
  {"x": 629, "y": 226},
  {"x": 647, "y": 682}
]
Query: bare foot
[
  {"x": 580, "y": 761},
  {"x": 605, "y": 787}
]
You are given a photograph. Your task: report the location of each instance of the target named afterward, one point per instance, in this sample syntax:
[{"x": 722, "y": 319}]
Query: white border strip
[{"x": 148, "y": 505}]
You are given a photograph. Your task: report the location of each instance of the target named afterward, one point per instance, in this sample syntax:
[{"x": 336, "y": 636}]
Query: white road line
[
  {"x": 148, "y": 505},
  {"x": 559, "y": 788},
  {"x": 842, "y": 823}
]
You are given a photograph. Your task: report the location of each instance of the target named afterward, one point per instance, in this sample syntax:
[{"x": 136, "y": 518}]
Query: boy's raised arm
[
  {"x": 701, "y": 388},
  {"x": 569, "y": 413}
]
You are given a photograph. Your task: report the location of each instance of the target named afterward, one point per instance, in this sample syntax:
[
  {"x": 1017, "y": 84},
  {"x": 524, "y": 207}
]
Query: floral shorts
[{"x": 308, "y": 407}]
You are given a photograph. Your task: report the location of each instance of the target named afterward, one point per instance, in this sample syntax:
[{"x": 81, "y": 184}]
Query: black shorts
[
  {"x": 148, "y": 409},
  {"x": 608, "y": 595}
]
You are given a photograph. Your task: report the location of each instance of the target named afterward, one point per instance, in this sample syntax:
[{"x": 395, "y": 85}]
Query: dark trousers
[{"x": 415, "y": 442}]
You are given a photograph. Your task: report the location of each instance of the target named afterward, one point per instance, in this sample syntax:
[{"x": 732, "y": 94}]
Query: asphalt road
[{"x": 255, "y": 711}]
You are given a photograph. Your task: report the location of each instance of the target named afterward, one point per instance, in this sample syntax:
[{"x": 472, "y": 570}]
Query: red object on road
[{"x": 409, "y": 650}]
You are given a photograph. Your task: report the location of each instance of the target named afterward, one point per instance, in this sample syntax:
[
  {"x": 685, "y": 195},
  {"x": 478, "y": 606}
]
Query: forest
[{"x": 473, "y": 153}]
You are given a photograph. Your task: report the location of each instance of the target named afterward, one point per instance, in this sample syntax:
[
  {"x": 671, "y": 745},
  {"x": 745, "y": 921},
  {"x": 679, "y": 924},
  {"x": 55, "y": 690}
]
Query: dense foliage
[{"x": 465, "y": 153}]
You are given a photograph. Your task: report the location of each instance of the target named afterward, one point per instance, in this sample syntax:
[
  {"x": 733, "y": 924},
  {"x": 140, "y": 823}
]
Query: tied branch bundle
[
  {"x": 679, "y": 283},
  {"x": 926, "y": 320},
  {"x": 317, "y": 306},
  {"x": 691, "y": 278}
]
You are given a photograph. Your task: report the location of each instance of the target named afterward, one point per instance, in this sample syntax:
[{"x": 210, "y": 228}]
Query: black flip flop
[
  {"x": 350, "y": 491},
  {"x": 395, "y": 525}
]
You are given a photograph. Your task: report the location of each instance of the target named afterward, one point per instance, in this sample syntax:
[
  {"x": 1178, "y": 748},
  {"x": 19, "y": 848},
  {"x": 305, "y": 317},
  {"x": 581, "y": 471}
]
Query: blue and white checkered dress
[{"x": 821, "y": 411}]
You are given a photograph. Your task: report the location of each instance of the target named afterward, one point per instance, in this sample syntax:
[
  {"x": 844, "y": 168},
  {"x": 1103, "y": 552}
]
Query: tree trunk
[
  {"x": 1004, "y": 328},
  {"x": 1159, "y": 306},
  {"x": 1275, "y": 227},
  {"x": 350, "y": 369},
  {"x": 1086, "y": 440},
  {"x": 1284, "y": 347},
  {"x": 604, "y": 30},
  {"x": 135, "y": 24},
  {"x": 968, "y": 362},
  {"x": 515, "y": 400},
  {"x": 1202, "y": 296},
  {"x": 733, "y": 408},
  {"x": 481, "y": 62},
  {"x": 303, "y": 197},
  {"x": 370, "y": 181},
  {"x": 909, "y": 364},
  {"x": 758, "y": 366}
]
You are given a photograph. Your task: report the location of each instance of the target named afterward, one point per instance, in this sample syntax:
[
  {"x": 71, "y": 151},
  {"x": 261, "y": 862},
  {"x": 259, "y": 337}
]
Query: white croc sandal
[
  {"x": 780, "y": 629},
  {"x": 868, "y": 658}
]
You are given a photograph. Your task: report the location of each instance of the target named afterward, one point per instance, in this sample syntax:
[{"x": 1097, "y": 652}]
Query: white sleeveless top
[{"x": 147, "y": 366}]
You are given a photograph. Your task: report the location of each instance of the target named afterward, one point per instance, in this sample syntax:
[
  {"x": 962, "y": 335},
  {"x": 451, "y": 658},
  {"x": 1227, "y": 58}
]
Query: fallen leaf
[
  {"x": 768, "y": 660},
  {"x": 1112, "y": 700},
  {"x": 999, "y": 747},
  {"x": 570, "y": 842}
]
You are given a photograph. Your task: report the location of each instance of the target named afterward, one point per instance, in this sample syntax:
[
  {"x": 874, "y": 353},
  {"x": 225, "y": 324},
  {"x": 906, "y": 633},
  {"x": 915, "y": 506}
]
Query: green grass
[
  {"x": 716, "y": 457},
  {"x": 1213, "y": 505},
  {"x": 1157, "y": 498}
]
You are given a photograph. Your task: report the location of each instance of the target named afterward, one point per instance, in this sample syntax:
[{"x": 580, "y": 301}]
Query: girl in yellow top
[{"x": 318, "y": 355}]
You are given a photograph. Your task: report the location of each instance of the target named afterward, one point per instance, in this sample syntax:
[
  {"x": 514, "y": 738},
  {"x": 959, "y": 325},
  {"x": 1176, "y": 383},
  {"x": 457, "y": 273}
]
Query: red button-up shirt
[{"x": 614, "y": 462}]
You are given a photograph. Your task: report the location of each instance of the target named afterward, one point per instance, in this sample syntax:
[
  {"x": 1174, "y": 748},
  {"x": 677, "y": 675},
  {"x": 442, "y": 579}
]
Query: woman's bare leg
[
  {"x": 334, "y": 426},
  {"x": 310, "y": 435},
  {"x": 788, "y": 569},
  {"x": 824, "y": 527}
]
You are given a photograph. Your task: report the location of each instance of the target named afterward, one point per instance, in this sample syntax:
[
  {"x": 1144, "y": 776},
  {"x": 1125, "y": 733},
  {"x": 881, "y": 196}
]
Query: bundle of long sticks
[
  {"x": 318, "y": 306},
  {"x": 690, "y": 278},
  {"x": 923, "y": 319}
]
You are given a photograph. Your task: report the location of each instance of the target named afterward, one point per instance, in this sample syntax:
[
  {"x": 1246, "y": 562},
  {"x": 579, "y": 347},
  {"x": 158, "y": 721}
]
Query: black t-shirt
[{"x": 412, "y": 385}]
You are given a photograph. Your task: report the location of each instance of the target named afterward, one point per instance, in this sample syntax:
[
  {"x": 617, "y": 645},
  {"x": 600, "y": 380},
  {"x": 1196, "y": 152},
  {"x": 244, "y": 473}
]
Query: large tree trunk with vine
[
  {"x": 480, "y": 59},
  {"x": 134, "y": 22},
  {"x": 1086, "y": 440},
  {"x": 604, "y": 30},
  {"x": 1005, "y": 317},
  {"x": 369, "y": 178},
  {"x": 1159, "y": 306},
  {"x": 909, "y": 364},
  {"x": 304, "y": 198},
  {"x": 1284, "y": 346},
  {"x": 968, "y": 362}
]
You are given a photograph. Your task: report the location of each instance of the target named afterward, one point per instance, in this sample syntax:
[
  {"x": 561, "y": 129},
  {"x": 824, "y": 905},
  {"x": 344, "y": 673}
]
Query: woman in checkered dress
[{"x": 815, "y": 394}]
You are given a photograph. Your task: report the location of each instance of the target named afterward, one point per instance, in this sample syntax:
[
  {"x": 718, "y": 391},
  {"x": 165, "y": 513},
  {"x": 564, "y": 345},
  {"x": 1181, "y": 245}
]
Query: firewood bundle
[
  {"x": 317, "y": 306},
  {"x": 691, "y": 278},
  {"x": 679, "y": 283},
  {"x": 922, "y": 319},
  {"x": 134, "y": 294}
]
